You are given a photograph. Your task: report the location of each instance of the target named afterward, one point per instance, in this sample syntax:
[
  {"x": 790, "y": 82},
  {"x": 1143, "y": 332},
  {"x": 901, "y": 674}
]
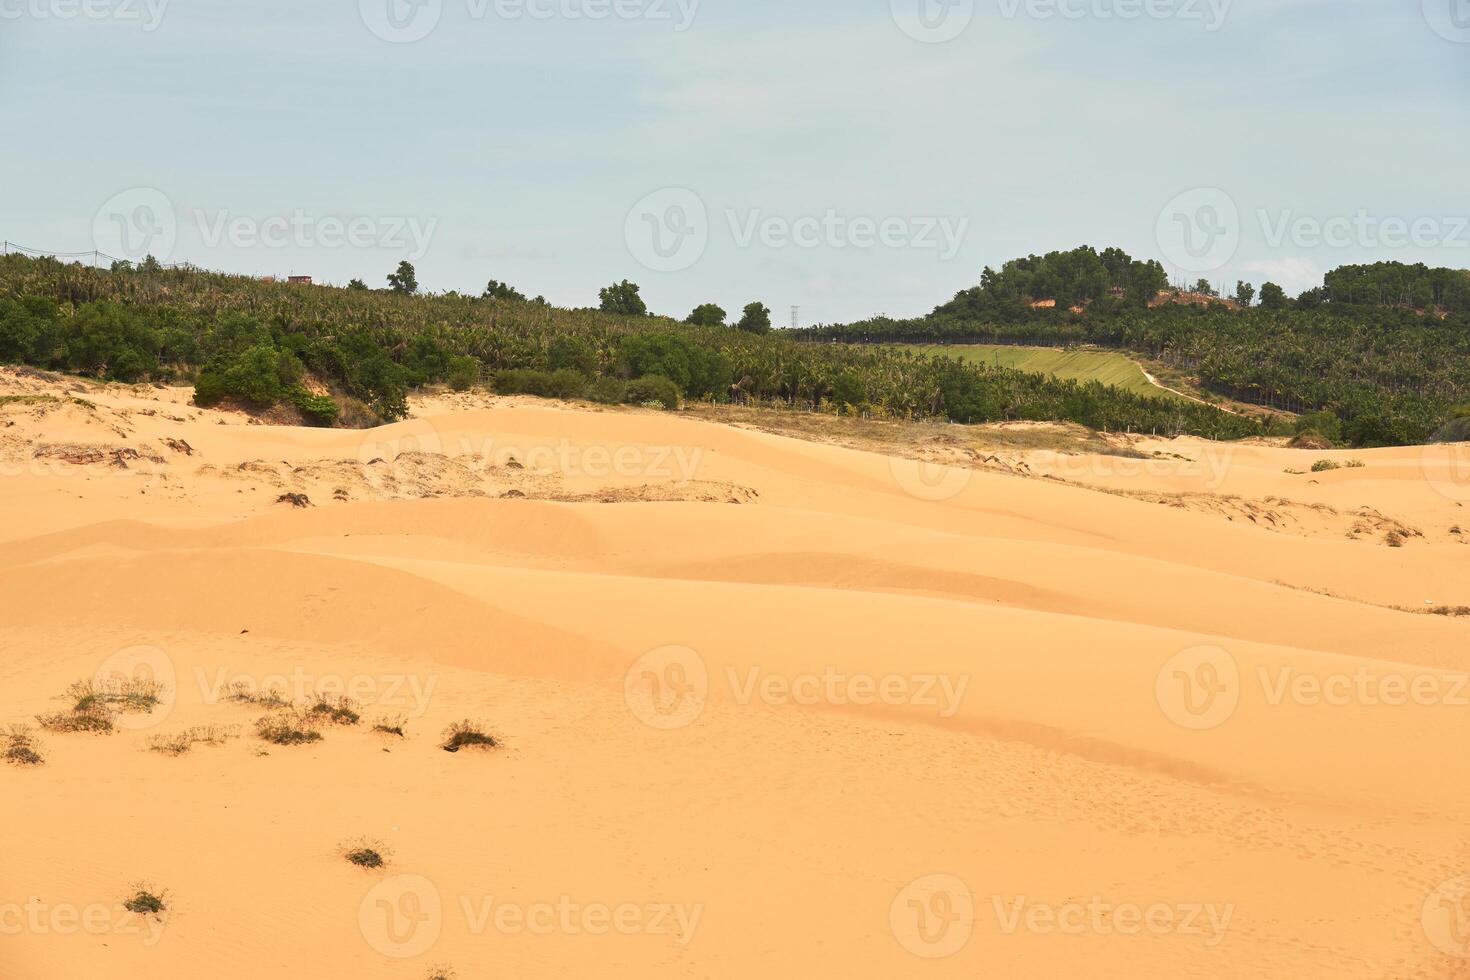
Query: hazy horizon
[{"x": 849, "y": 161}]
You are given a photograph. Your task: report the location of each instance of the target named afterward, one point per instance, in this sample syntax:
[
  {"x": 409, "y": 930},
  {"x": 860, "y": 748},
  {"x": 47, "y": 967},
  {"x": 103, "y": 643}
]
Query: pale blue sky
[{"x": 520, "y": 145}]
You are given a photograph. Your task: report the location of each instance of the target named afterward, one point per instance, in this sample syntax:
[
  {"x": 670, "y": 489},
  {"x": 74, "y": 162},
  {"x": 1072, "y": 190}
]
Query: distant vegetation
[
  {"x": 1077, "y": 364},
  {"x": 350, "y": 356},
  {"x": 1380, "y": 354}
]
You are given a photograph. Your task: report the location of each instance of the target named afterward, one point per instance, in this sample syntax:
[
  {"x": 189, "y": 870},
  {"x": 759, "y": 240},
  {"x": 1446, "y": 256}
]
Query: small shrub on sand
[
  {"x": 442, "y": 972},
  {"x": 18, "y": 745},
  {"x": 366, "y": 853},
  {"x": 181, "y": 742},
  {"x": 242, "y": 693},
  {"x": 289, "y": 728},
  {"x": 94, "y": 718},
  {"x": 146, "y": 900},
  {"x": 391, "y": 725},
  {"x": 466, "y": 735},
  {"x": 117, "y": 694},
  {"x": 339, "y": 711},
  {"x": 1325, "y": 466}
]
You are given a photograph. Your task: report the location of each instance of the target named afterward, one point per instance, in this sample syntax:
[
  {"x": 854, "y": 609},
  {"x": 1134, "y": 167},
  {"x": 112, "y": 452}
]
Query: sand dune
[{"x": 765, "y": 705}]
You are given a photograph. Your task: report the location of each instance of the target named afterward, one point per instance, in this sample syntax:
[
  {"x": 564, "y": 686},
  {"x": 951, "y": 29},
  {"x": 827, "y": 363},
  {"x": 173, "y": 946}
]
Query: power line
[{"x": 95, "y": 255}]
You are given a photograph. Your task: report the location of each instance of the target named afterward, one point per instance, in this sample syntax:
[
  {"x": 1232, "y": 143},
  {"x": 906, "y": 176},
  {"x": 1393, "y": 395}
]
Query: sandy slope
[{"x": 767, "y": 707}]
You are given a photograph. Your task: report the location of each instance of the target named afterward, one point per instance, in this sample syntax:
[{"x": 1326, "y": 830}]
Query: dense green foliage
[
  {"x": 1395, "y": 284},
  {"x": 707, "y": 315},
  {"x": 1389, "y": 374},
  {"x": 622, "y": 299},
  {"x": 244, "y": 338},
  {"x": 1079, "y": 276},
  {"x": 755, "y": 318}
]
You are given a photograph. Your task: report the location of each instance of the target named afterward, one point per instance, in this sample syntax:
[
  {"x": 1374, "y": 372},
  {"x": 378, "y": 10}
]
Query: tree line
[
  {"x": 269, "y": 343},
  {"x": 1382, "y": 349}
]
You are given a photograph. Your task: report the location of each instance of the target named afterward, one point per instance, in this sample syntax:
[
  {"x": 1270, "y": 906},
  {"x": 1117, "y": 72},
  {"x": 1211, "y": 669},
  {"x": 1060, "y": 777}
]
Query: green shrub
[
  {"x": 144, "y": 901},
  {"x": 259, "y": 376},
  {"x": 652, "y": 388},
  {"x": 562, "y": 383},
  {"x": 606, "y": 391},
  {"x": 463, "y": 373},
  {"x": 1325, "y": 424},
  {"x": 318, "y": 410},
  {"x": 1325, "y": 466}
]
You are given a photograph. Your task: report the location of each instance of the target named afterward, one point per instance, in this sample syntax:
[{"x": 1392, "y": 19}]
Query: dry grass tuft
[
  {"x": 181, "y": 742},
  {"x": 95, "y": 718},
  {"x": 241, "y": 692},
  {"x": 366, "y": 853},
  {"x": 290, "y": 727},
  {"x": 19, "y": 746},
  {"x": 117, "y": 694},
  {"x": 466, "y": 735},
  {"x": 391, "y": 725},
  {"x": 338, "y": 710}
]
